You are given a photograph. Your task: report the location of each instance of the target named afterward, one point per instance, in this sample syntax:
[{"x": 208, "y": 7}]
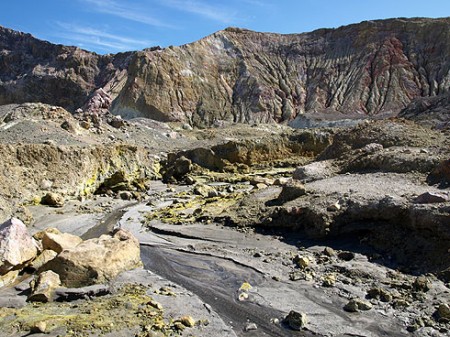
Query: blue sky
[{"x": 109, "y": 26}]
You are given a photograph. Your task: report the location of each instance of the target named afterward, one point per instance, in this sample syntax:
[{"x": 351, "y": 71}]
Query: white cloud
[
  {"x": 214, "y": 12},
  {"x": 101, "y": 39},
  {"x": 126, "y": 11}
]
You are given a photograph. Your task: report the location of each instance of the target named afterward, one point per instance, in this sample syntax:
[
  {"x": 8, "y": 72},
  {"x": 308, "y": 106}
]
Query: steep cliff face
[
  {"x": 243, "y": 76},
  {"x": 32, "y": 70}
]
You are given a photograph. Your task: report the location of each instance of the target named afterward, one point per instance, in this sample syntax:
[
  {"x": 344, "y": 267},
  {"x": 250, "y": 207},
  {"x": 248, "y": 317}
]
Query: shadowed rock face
[
  {"x": 374, "y": 67},
  {"x": 32, "y": 70},
  {"x": 429, "y": 111}
]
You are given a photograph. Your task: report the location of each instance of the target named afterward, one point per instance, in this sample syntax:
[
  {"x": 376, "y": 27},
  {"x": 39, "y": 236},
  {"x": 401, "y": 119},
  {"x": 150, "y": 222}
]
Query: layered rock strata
[{"x": 371, "y": 68}]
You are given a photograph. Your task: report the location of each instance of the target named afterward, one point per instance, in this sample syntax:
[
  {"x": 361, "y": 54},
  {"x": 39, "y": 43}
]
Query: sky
[{"x": 111, "y": 26}]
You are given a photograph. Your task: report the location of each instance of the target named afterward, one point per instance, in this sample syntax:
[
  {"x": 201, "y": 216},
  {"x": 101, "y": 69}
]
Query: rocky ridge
[
  {"x": 33, "y": 70},
  {"x": 371, "y": 68}
]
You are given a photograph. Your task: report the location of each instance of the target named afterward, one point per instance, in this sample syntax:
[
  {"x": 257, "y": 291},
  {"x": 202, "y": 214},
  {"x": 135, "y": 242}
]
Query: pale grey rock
[{"x": 16, "y": 245}]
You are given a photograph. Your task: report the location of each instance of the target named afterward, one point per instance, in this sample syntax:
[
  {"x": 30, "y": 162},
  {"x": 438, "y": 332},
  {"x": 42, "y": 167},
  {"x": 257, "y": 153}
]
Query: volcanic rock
[
  {"x": 53, "y": 199},
  {"x": 119, "y": 181},
  {"x": 346, "y": 256},
  {"x": 8, "y": 278},
  {"x": 348, "y": 146},
  {"x": 251, "y": 327},
  {"x": 16, "y": 245},
  {"x": 328, "y": 251},
  {"x": 42, "y": 258},
  {"x": 421, "y": 283},
  {"x": 70, "y": 126},
  {"x": 302, "y": 261},
  {"x": 38, "y": 327},
  {"x": 444, "y": 311},
  {"x": 355, "y": 305},
  {"x": 126, "y": 195},
  {"x": 117, "y": 122},
  {"x": 431, "y": 111},
  {"x": 292, "y": 190},
  {"x": 430, "y": 198},
  {"x": 187, "y": 321},
  {"x": 176, "y": 168},
  {"x": 379, "y": 293},
  {"x": 96, "y": 260},
  {"x": 314, "y": 171},
  {"x": 43, "y": 287},
  {"x": 53, "y": 239},
  {"x": 329, "y": 280},
  {"x": 440, "y": 174},
  {"x": 372, "y": 148},
  {"x": 99, "y": 100},
  {"x": 296, "y": 320},
  {"x": 205, "y": 191}
]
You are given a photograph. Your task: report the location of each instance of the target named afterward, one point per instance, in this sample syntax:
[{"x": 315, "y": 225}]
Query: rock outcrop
[
  {"x": 440, "y": 174},
  {"x": 73, "y": 170},
  {"x": 370, "y": 181},
  {"x": 261, "y": 148},
  {"x": 50, "y": 165},
  {"x": 390, "y": 146},
  {"x": 96, "y": 260},
  {"x": 370, "y": 68}
]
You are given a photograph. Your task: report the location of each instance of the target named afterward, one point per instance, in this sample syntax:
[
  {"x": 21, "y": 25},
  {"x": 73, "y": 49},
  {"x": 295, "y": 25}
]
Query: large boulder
[
  {"x": 358, "y": 304},
  {"x": 117, "y": 182},
  {"x": 55, "y": 240},
  {"x": 16, "y": 245},
  {"x": 97, "y": 260}
]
